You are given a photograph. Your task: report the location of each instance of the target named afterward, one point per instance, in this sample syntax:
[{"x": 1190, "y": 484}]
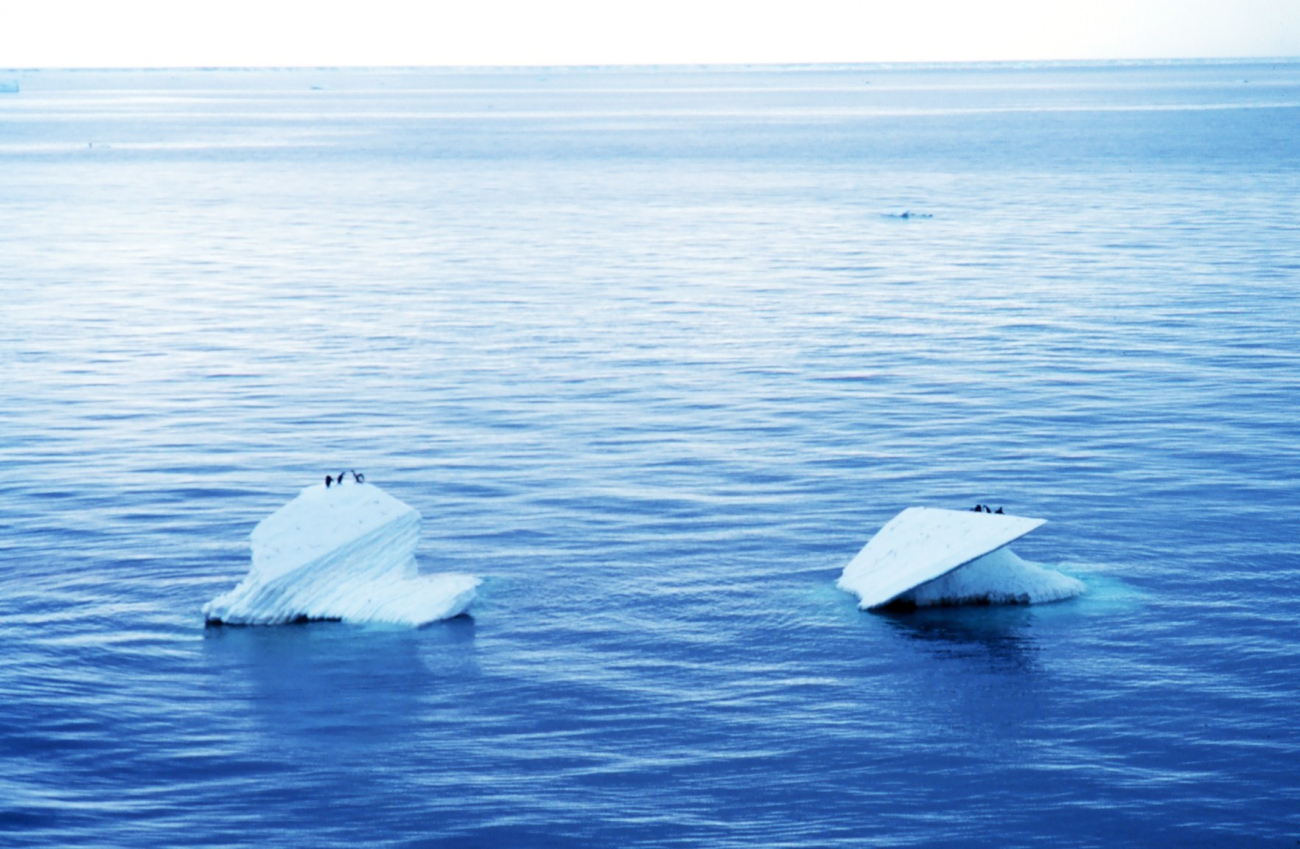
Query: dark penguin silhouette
[
  {"x": 999, "y": 510},
  {"x": 356, "y": 476},
  {"x": 339, "y": 477},
  {"x": 328, "y": 480},
  {"x": 976, "y": 509}
]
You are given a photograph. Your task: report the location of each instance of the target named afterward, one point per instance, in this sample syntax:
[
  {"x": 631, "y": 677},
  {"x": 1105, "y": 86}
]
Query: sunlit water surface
[{"x": 652, "y": 356}]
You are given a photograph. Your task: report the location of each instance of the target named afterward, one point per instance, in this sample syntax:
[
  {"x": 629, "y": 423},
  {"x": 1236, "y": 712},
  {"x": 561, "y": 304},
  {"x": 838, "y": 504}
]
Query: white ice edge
[{"x": 345, "y": 552}]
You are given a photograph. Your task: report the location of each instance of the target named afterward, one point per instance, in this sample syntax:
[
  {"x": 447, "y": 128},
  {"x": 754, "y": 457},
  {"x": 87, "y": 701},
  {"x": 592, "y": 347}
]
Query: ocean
[{"x": 654, "y": 351}]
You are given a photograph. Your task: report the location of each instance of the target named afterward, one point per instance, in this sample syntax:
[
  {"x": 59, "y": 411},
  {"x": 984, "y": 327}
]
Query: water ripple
[{"x": 648, "y": 354}]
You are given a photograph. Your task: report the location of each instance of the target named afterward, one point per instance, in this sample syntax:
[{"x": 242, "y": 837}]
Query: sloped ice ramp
[{"x": 922, "y": 544}]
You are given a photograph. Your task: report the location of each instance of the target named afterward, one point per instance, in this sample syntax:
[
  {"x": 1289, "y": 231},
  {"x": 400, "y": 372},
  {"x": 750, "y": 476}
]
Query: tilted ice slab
[
  {"x": 927, "y": 556},
  {"x": 343, "y": 552}
]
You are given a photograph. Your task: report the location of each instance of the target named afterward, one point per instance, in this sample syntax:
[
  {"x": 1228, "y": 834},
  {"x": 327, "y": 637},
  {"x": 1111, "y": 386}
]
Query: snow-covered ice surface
[
  {"x": 345, "y": 552},
  {"x": 924, "y": 553}
]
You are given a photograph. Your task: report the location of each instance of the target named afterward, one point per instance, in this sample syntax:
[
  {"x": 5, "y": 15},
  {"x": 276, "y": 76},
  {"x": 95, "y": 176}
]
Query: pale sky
[{"x": 145, "y": 33}]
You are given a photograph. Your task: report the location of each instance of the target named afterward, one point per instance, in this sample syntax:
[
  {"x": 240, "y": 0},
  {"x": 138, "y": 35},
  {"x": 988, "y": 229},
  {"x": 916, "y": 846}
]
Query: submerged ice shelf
[
  {"x": 928, "y": 556},
  {"x": 345, "y": 552}
]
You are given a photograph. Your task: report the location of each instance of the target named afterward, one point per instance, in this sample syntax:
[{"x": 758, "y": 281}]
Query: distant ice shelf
[
  {"x": 346, "y": 553},
  {"x": 929, "y": 556}
]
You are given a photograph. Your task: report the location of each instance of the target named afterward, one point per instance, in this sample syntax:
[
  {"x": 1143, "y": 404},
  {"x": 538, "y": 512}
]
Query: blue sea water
[{"x": 654, "y": 354}]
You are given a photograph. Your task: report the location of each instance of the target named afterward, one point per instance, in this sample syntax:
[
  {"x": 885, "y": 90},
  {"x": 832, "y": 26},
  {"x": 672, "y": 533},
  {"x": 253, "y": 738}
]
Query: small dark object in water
[
  {"x": 300, "y": 619},
  {"x": 328, "y": 480}
]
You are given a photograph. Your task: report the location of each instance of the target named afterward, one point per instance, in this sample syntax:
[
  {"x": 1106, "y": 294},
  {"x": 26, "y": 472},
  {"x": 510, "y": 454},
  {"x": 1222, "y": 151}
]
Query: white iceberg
[
  {"x": 346, "y": 553},
  {"x": 928, "y": 556}
]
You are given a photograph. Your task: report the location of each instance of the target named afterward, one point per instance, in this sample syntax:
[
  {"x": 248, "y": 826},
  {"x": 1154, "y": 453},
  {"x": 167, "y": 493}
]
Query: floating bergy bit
[
  {"x": 347, "y": 554},
  {"x": 910, "y": 556}
]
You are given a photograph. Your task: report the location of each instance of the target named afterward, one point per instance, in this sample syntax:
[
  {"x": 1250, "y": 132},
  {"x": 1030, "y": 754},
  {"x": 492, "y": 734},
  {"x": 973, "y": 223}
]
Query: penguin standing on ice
[
  {"x": 357, "y": 476},
  {"x": 328, "y": 480}
]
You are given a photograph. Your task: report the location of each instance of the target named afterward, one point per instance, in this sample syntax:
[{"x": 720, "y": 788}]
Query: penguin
[
  {"x": 356, "y": 476},
  {"x": 339, "y": 477},
  {"x": 976, "y": 509},
  {"x": 998, "y": 511},
  {"x": 328, "y": 480}
]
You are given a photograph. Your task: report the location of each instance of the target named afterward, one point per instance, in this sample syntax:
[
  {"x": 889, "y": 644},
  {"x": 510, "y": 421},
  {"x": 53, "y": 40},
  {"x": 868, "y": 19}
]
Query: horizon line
[{"x": 591, "y": 66}]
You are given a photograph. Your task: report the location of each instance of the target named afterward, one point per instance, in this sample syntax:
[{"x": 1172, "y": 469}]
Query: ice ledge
[
  {"x": 926, "y": 544},
  {"x": 344, "y": 553}
]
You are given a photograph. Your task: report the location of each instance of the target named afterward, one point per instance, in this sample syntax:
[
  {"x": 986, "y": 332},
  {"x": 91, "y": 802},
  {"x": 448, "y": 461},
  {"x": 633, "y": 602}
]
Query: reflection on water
[
  {"x": 1001, "y": 636},
  {"x": 338, "y": 683}
]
